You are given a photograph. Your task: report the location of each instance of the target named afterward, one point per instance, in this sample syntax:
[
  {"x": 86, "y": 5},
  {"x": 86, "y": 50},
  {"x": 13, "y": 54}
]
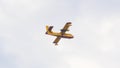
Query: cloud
[{"x": 25, "y": 45}]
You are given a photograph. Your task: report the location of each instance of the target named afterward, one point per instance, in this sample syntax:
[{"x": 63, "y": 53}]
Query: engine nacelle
[{"x": 64, "y": 30}]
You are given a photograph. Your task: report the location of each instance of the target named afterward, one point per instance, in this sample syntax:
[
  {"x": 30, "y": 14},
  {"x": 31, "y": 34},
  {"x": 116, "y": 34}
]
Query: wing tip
[
  {"x": 55, "y": 43},
  {"x": 69, "y": 22}
]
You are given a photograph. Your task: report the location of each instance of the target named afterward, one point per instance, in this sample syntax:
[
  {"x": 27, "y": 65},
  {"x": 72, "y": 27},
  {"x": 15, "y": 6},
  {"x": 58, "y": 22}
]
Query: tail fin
[{"x": 49, "y": 29}]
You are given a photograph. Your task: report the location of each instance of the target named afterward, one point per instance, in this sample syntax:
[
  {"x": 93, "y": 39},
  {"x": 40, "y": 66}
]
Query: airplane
[{"x": 61, "y": 34}]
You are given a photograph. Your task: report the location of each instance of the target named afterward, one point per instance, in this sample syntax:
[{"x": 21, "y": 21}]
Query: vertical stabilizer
[{"x": 49, "y": 29}]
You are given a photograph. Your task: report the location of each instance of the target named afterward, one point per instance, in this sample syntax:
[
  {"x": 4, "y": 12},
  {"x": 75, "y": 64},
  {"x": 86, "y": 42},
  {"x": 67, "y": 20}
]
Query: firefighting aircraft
[{"x": 61, "y": 34}]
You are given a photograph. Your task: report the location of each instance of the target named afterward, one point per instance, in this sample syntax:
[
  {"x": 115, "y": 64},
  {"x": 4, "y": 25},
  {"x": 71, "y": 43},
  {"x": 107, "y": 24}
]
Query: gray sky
[{"x": 23, "y": 43}]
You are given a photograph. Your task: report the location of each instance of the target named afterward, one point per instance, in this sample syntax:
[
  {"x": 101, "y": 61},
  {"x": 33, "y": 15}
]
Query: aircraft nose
[{"x": 72, "y": 36}]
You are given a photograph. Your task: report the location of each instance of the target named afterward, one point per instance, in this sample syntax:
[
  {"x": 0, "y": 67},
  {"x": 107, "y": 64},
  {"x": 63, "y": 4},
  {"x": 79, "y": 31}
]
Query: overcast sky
[{"x": 95, "y": 26}]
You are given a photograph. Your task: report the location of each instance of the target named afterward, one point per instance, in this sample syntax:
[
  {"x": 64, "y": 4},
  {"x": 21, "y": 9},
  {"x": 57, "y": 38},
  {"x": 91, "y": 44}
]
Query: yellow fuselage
[{"x": 60, "y": 35}]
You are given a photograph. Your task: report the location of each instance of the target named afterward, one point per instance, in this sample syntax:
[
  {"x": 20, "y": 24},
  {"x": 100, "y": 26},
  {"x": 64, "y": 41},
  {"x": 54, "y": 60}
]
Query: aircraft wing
[
  {"x": 57, "y": 40},
  {"x": 65, "y": 28}
]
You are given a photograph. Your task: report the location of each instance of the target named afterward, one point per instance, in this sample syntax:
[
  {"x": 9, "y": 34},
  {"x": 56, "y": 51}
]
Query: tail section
[{"x": 49, "y": 29}]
